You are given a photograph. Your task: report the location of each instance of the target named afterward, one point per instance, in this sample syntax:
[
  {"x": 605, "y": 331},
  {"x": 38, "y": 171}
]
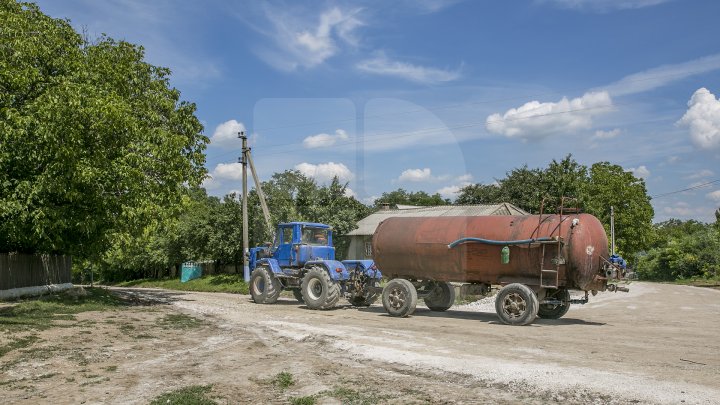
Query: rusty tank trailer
[{"x": 537, "y": 258}]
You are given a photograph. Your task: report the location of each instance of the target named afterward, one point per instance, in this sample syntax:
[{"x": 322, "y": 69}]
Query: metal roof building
[{"x": 360, "y": 238}]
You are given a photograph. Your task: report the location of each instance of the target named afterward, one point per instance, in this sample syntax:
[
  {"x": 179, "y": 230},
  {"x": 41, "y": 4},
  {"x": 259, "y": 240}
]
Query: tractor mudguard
[
  {"x": 332, "y": 267},
  {"x": 272, "y": 263}
]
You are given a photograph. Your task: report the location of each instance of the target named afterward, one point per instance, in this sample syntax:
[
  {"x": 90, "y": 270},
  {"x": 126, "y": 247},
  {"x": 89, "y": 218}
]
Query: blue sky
[{"x": 433, "y": 95}]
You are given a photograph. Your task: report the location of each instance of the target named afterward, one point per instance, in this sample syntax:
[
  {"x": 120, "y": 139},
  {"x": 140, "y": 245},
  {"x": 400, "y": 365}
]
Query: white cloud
[
  {"x": 700, "y": 174},
  {"x": 308, "y": 42},
  {"x": 465, "y": 178},
  {"x": 382, "y": 65},
  {"x": 607, "y": 134},
  {"x": 703, "y": 119},
  {"x": 324, "y": 140},
  {"x": 226, "y": 134},
  {"x": 602, "y": 6},
  {"x": 416, "y": 175},
  {"x": 662, "y": 75},
  {"x": 324, "y": 172},
  {"x": 715, "y": 196},
  {"x": 640, "y": 172},
  {"x": 227, "y": 171},
  {"x": 350, "y": 193},
  {"x": 535, "y": 120}
]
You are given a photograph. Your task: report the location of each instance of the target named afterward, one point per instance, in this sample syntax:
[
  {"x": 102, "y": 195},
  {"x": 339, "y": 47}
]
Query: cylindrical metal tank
[{"x": 571, "y": 250}]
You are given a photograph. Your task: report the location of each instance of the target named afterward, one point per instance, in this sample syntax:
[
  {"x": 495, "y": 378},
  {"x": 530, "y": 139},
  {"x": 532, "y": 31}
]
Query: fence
[{"x": 19, "y": 270}]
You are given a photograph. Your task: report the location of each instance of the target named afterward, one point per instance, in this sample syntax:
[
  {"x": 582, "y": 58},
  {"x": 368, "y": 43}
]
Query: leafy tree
[
  {"x": 93, "y": 140},
  {"x": 402, "y": 196},
  {"x": 683, "y": 250},
  {"x": 610, "y": 185}
]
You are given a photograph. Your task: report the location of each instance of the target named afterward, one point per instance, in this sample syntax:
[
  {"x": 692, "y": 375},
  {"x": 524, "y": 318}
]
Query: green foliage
[
  {"x": 402, "y": 196},
  {"x": 682, "y": 250},
  {"x": 594, "y": 190},
  {"x": 193, "y": 395},
  {"x": 93, "y": 140}
]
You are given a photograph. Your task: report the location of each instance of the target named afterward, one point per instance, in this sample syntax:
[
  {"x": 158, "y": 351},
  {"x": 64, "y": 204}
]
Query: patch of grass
[
  {"x": 229, "y": 283},
  {"x": 193, "y": 395},
  {"x": 283, "y": 380},
  {"x": 309, "y": 400},
  {"x": 179, "y": 321},
  {"x": 18, "y": 343},
  {"x": 40, "y": 313},
  {"x": 111, "y": 368},
  {"x": 700, "y": 281},
  {"x": 352, "y": 397}
]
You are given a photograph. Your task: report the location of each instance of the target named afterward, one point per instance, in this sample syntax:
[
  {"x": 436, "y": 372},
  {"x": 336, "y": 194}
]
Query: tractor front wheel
[{"x": 264, "y": 287}]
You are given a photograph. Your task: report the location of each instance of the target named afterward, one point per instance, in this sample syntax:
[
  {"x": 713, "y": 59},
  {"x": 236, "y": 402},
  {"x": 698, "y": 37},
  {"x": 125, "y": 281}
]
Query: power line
[{"x": 703, "y": 185}]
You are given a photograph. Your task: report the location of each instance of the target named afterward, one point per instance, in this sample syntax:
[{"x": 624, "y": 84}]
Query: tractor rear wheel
[
  {"x": 516, "y": 304},
  {"x": 318, "y": 290},
  {"x": 441, "y": 298},
  {"x": 399, "y": 297},
  {"x": 264, "y": 287}
]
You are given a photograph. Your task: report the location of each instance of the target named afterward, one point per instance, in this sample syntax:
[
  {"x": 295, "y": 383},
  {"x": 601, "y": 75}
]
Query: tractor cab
[{"x": 297, "y": 243}]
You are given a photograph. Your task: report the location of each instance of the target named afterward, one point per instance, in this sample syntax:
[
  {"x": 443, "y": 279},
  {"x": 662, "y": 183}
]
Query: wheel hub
[
  {"x": 315, "y": 289},
  {"x": 397, "y": 298},
  {"x": 514, "y": 305}
]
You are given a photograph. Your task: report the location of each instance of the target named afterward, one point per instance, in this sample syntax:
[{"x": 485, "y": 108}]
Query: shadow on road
[{"x": 489, "y": 317}]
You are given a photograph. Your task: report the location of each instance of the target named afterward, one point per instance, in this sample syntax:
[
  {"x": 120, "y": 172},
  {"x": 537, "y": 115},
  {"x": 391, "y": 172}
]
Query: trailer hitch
[{"x": 616, "y": 288}]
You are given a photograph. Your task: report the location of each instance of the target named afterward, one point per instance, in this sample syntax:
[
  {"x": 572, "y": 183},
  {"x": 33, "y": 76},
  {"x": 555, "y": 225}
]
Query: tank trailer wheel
[
  {"x": 399, "y": 297},
  {"x": 516, "y": 304},
  {"x": 318, "y": 290},
  {"x": 298, "y": 295},
  {"x": 264, "y": 287},
  {"x": 442, "y": 296},
  {"x": 549, "y": 311},
  {"x": 367, "y": 298}
]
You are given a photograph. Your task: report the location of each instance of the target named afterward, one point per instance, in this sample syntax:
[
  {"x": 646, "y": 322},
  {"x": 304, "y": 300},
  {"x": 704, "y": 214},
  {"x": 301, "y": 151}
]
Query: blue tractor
[{"x": 302, "y": 260}]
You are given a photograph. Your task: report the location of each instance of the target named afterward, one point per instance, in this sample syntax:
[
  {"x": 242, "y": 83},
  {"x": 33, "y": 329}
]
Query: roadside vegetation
[{"x": 228, "y": 283}]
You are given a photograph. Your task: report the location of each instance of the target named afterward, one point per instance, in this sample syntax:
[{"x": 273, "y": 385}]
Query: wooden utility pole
[
  {"x": 612, "y": 230},
  {"x": 246, "y": 242}
]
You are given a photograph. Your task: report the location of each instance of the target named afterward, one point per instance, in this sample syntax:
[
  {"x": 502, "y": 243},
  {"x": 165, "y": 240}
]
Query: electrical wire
[{"x": 703, "y": 185}]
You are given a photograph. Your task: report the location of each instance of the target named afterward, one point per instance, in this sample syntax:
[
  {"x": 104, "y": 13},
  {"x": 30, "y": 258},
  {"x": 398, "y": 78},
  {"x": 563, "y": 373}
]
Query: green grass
[
  {"x": 40, "y": 313},
  {"x": 229, "y": 283},
  {"x": 193, "y": 395},
  {"x": 179, "y": 321},
  {"x": 700, "y": 281},
  {"x": 283, "y": 380},
  {"x": 18, "y": 343},
  {"x": 309, "y": 400}
]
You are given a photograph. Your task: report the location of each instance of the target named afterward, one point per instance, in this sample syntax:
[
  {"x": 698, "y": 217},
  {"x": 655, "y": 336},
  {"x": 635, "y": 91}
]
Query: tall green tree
[
  {"x": 93, "y": 140},
  {"x": 610, "y": 185}
]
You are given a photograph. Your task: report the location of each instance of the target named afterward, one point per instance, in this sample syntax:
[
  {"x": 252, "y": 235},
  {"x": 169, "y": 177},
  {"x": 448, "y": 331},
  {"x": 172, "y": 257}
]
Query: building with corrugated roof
[{"x": 361, "y": 238}]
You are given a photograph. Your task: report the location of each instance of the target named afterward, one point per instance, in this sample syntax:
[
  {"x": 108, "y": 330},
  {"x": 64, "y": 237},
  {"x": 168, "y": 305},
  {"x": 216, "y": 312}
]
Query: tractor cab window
[
  {"x": 284, "y": 237},
  {"x": 315, "y": 236}
]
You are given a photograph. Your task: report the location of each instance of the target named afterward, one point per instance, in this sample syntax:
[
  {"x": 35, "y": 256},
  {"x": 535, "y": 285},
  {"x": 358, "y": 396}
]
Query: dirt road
[{"x": 657, "y": 344}]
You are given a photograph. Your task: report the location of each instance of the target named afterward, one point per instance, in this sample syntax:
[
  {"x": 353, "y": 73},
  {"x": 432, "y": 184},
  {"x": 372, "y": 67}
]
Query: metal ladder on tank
[{"x": 550, "y": 278}]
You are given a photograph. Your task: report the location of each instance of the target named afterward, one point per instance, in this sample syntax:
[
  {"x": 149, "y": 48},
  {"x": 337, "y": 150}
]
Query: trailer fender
[{"x": 336, "y": 270}]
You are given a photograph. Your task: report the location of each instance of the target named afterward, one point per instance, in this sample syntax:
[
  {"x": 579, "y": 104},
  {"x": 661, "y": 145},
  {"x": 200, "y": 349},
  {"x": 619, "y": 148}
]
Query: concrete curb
[{"x": 33, "y": 291}]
